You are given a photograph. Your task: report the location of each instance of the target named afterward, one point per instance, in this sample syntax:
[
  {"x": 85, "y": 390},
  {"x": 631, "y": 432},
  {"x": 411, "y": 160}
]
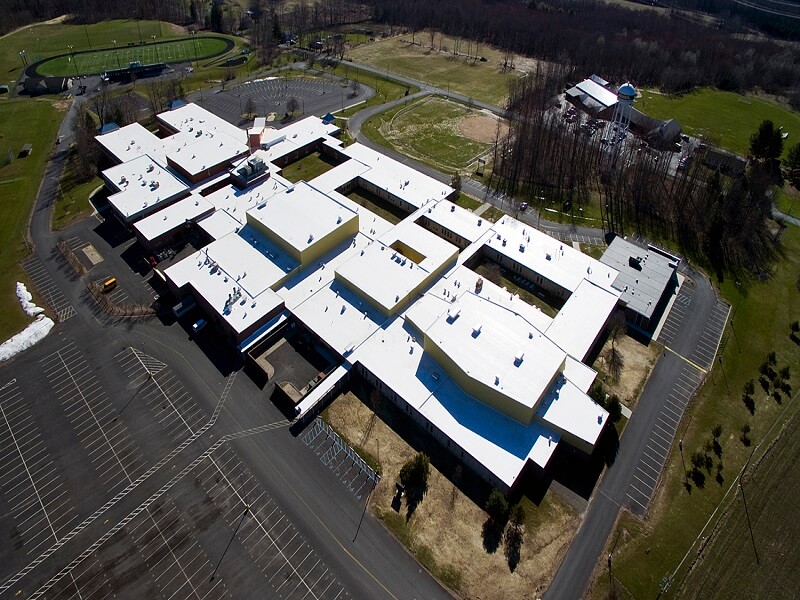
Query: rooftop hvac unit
[{"x": 476, "y": 329}]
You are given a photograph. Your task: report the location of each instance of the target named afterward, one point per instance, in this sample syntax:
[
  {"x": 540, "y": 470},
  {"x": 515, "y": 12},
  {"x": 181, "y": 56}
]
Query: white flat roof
[
  {"x": 339, "y": 175},
  {"x": 598, "y": 92},
  {"x": 496, "y": 441},
  {"x": 219, "y": 224},
  {"x": 143, "y": 183},
  {"x": 387, "y": 276},
  {"x": 173, "y": 216},
  {"x": 244, "y": 260},
  {"x": 486, "y": 340},
  {"x": 191, "y": 117},
  {"x": 582, "y": 317},
  {"x": 205, "y": 150},
  {"x": 309, "y": 280},
  {"x": 395, "y": 355},
  {"x": 459, "y": 220},
  {"x": 283, "y": 141},
  {"x": 339, "y": 317},
  {"x": 301, "y": 216},
  {"x": 369, "y": 224},
  {"x": 398, "y": 179},
  {"x": 132, "y": 141},
  {"x": 462, "y": 280},
  {"x": 569, "y": 409},
  {"x": 235, "y": 265},
  {"x": 554, "y": 260}
]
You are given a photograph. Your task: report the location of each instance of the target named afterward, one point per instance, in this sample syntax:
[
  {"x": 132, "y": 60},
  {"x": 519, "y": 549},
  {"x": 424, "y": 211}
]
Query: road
[{"x": 612, "y": 492}]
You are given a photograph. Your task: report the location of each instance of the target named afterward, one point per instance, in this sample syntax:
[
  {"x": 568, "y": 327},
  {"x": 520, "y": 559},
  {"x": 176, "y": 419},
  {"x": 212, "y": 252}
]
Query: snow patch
[
  {"x": 33, "y": 333},
  {"x": 25, "y": 300}
]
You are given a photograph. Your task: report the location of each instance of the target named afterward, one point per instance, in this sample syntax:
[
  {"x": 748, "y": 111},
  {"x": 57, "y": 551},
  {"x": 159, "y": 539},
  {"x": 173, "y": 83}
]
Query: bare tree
[
  {"x": 292, "y": 105},
  {"x": 250, "y": 107}
]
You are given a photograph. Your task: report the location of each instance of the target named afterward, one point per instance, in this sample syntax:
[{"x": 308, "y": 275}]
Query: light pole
[
  {"x": 22, "y": 57},
  {"x": 116, "y": 52},
  {"x": 235, "y": 531},
  {"x": 152, "y": 37},
  {"x": 72, "y": 57},
  {"x": 86, "y": 31}
]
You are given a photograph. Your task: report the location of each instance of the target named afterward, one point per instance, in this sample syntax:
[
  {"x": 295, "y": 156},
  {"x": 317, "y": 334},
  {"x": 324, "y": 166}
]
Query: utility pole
[
  {"x": 746, "y": 512},
  {"x": 116, "y": 51},
  {"x": 86, "y": 31}
]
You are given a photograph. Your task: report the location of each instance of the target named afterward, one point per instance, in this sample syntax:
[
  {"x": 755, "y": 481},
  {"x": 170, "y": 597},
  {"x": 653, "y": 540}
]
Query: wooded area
[
  {"x": 645, "y": 47},
  {"x": 724, "y": 219}
]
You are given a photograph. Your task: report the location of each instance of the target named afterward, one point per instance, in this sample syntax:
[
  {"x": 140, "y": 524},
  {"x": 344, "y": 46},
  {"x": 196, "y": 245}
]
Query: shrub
[
  {"x": 497, "y": 506},
  {"x": 414, "y": 474}
]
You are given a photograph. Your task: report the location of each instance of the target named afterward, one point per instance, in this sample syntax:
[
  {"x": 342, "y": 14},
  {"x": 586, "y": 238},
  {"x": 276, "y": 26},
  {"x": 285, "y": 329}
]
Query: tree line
[{"x": 641, "y": 46}]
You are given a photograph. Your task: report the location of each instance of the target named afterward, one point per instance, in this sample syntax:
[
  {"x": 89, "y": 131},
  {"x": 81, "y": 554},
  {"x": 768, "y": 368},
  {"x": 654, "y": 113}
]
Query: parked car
[{"x": 199, "y": 324}]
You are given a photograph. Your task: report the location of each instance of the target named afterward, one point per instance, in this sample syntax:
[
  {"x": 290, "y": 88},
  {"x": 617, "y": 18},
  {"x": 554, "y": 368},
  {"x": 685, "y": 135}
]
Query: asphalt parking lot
[
  {"x": 47, "y": 288},
  {"x": 347, "y": 466},
  {"x": 707, "y": 346},
  {"x": 315, "y": 96},
  {"x": 676, "y": 317},
  {"x": 657, "y": 447}
]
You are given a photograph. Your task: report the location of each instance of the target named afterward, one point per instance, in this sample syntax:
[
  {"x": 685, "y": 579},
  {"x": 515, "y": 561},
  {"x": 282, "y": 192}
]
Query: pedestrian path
[{"x": 483, "y": 208}]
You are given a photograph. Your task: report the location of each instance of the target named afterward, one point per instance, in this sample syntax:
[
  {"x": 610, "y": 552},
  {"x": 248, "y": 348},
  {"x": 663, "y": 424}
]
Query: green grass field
[
  {"x": 726, "y": 118},
  {"x": 308, "y": 168},
  {"x": 19, "y": 183},
  {"x": 730, "y": 569},
  {"x": 183, "y": 50},
  {"x": 762, "y": 312},
  {"x": 382, "y": 208},
  {"x": 467, "y": 202},
  {"x": 386, "y": 90},
  {"x": 41, "y": 41},
  {"x": 482, "y": 81},
  {"x": 429, "y": 130},
  {"x": 72, "y": 203}
]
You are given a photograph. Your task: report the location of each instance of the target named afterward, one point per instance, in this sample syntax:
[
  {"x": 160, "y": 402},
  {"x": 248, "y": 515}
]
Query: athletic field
[{"x": 92, "y": 63}]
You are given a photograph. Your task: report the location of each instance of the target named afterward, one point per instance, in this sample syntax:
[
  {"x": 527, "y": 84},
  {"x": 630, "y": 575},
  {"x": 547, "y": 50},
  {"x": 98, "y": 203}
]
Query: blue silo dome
[{"x": 626, "y": 90}]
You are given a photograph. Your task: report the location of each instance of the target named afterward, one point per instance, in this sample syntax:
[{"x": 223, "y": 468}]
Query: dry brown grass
[
  {"x": 639, "y": 362},
  {"x": 450, "y": 524},
  {"x": 482, "y": 127}
]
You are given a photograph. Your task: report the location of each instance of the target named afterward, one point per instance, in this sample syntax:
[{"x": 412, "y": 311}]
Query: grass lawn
[
  {"x": 467, "y": 202},
  {"x": 493, "y": 214},
  {"x": 72, "y": 204},
  {"x": 727, "y": 118},
  {"x": 19, "y": 183},
  {"x": 482, "y": 81},
  {"x": 307, "y": 168},
  {"x": 386, "y": 90},
  {"x": 445, "y": 532},
  {"x": 180, "y": 50},
  {"x": 383, "y": 208},
  {"x": 445, "y": 134},
  {"x": 762, "y": 312},
  {"x": 788, "y": 201},
  {"x": 729, "y": 569}
]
